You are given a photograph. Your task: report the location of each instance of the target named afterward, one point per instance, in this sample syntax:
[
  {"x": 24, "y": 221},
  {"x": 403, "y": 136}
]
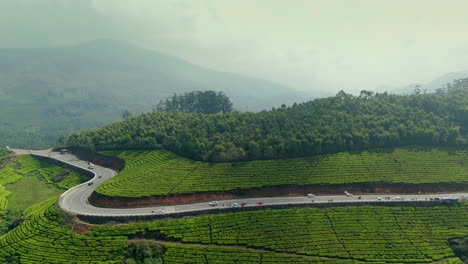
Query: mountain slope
[
  {"x": 433, "y": 85},
  {"x": 47, "y": 92}
]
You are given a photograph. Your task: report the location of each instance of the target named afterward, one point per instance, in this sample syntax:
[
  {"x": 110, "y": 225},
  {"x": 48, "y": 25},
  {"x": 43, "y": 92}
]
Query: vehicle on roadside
[
  {"x": 348, "y": 194},
  {"x": 213, "y": 203},
  {"x": 445, "y": 199},
  {"x": 310, "y": 195},
  {"x": 259, "y": 203},
  {"x": 397, "y": 199}
]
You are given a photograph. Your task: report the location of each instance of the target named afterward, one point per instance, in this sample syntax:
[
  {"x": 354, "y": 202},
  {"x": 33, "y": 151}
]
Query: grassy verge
[
  {"x": 29, "y": 190},
  {"x": 25, "y": 181}
]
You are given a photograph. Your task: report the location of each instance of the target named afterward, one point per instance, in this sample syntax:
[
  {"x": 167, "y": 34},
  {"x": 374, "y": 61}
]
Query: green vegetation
[
  {"x": 4, "y": 151},
  {"x": 312, "y": 235},
  {"x": 207, "y": 102},
  {"x": 321, "y": 126},
  {"x": 144, "y": 251},
  {"x": 25, "y": 181},
  {"x": 460, "y": 247},
  {"x": 370, "y": 234},
  {"x": 37, "y": 190},
  {"x": 27, "y": 165},
  {"x": 224, "y": 255},
  {"x": 160, "y": 172},
  {"x": 45, "y": 238}
]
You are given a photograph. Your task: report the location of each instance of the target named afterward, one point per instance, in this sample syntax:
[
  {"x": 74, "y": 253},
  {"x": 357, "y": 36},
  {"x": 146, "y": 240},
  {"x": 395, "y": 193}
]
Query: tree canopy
[
  {"x": 327, "y": 125},
  {"x": 207, "y": 102}
]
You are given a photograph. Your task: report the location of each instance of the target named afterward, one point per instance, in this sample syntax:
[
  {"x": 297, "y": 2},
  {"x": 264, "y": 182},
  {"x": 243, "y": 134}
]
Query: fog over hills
[
  {"x": 49, "y": 91},
  {"x": 430, "y": 86}
]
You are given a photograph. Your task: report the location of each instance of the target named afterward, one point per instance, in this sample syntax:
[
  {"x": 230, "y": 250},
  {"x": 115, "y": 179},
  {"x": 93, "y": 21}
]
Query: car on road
[
  {"x": 90, "y": 183},
  {"x": 259, "y": 203},
  {"x": 213, "y": 203},
  {"x": 310, "y": 195}
]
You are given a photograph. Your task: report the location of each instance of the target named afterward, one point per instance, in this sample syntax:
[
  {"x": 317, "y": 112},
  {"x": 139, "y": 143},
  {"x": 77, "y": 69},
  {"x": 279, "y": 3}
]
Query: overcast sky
[{"x": 308, "y": 44}]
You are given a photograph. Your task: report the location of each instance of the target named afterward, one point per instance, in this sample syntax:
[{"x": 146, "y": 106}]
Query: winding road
[{"x": 75, "y": 200}]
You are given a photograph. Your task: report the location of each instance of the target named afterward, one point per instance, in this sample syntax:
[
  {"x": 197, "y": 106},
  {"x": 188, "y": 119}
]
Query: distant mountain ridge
[
  {"x": 433, "y": 85},
  {"x": 49, "y": 91}
]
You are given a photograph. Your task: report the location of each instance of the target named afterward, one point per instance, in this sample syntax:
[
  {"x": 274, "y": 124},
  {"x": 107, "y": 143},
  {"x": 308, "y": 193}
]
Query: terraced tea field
[
  {"x": 333, "y": 235},
  {"x": 312, "y": 235},
  {"x": 159, "y": 172},
  {"x": 45, "y": 238}
]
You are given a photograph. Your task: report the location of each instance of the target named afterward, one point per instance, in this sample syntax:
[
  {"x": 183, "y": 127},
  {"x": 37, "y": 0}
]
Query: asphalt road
[{"x": 75, "y": 200}]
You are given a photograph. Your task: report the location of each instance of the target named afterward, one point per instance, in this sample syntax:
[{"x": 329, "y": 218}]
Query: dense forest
[{"x": 328, "y": 125}]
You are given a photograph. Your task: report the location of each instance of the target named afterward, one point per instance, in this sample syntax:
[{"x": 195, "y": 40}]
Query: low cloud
[{"x": 310, "y": 45}]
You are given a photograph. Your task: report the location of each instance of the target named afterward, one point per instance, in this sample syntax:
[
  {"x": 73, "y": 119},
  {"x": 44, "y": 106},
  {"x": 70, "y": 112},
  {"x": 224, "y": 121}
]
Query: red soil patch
[{"x": 81, "y": 228}]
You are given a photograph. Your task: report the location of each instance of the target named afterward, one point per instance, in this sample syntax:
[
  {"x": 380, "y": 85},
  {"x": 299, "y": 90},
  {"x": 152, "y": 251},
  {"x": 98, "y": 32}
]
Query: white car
[
  {"x": 213, "y": 203},
  {"x": 309, "y": 195}
]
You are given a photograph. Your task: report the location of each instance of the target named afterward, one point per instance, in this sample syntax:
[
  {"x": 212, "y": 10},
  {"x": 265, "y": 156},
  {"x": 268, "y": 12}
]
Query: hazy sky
[{"x": 308, "y": 44}]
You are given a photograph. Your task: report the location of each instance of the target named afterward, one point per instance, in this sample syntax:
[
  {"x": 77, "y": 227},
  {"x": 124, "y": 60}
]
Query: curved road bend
[{"x": 75, "y": 200}]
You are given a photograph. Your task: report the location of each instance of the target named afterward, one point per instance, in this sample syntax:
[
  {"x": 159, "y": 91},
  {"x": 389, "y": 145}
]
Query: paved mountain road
[{"x": 75, "y": 200}]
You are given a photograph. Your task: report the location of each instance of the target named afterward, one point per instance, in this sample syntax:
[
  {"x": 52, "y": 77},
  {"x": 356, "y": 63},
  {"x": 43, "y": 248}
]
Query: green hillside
[
  {"x": 322, "y": 126},
  {"x": 26, "y": 181},
  {"x": 45, "y": 238},
  {"x": 333, "y": 235},
  {"x": 51, "y": 91},
  {"x": 160, "y": 172}
]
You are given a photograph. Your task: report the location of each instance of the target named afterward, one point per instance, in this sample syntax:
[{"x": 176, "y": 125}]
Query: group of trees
[
  {"x": 328, "y": 125},
  {"x": 207, "y": 102}
]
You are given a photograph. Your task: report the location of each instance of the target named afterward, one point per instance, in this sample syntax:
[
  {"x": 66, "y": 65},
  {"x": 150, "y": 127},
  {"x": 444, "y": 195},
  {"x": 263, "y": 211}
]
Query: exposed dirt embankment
[{"x": 272, "y": 191}]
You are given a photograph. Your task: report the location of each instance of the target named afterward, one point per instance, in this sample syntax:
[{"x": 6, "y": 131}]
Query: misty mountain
[
  {"x": 49, "y": 91},
  {"x": 433, "y": 85}
]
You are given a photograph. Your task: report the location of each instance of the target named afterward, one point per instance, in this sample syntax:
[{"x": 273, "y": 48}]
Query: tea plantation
[
  {"x": 354, "y": 234},
  {"x": 161, "y": 172},
  {"x": 45, "y": 238},
  {"x": 333, "y": 235}
]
